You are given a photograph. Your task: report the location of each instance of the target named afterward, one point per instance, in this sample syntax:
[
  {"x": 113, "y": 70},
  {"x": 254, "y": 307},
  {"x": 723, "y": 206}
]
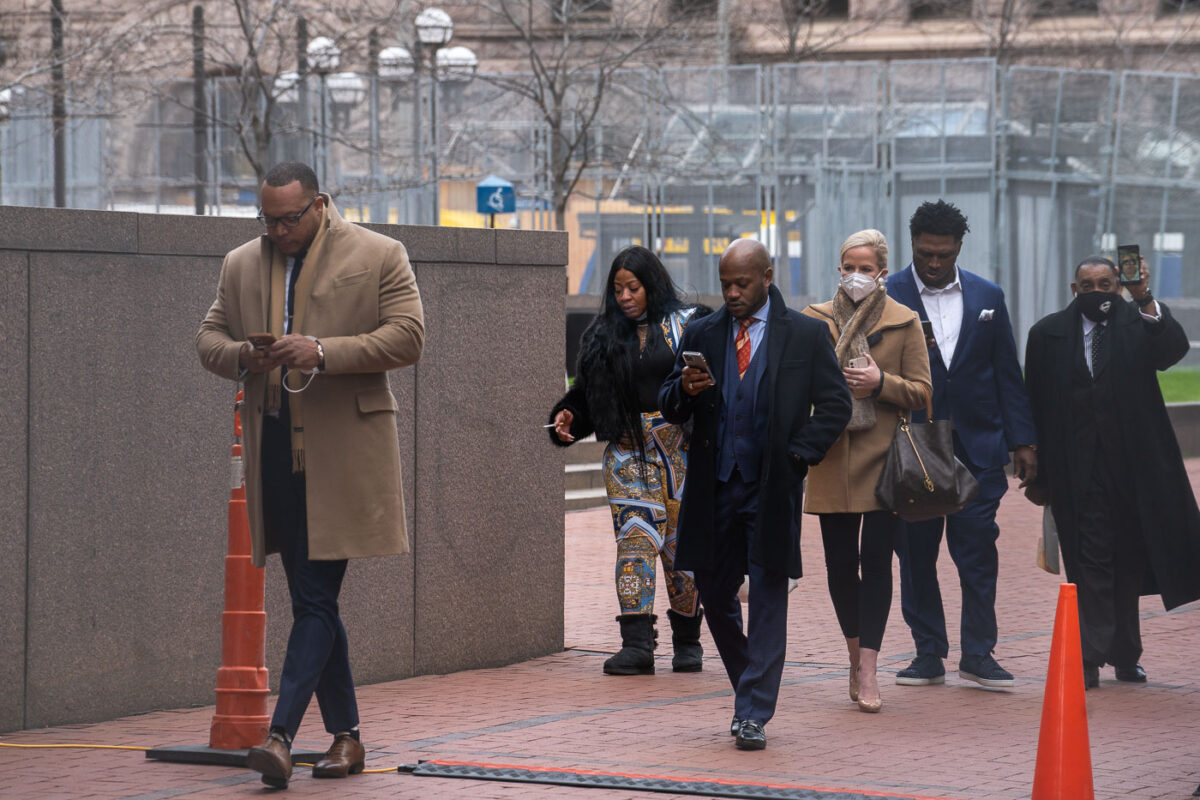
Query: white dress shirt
[{"x": 944, "y": 309}]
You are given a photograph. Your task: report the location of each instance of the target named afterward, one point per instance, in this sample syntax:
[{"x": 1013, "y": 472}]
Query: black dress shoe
[
  {"x": 1091, "y": 677},
  {"x": 1134, "y": 674},
  {"x": 751, "y": 736},
  {"x": 735, "y": 726}
]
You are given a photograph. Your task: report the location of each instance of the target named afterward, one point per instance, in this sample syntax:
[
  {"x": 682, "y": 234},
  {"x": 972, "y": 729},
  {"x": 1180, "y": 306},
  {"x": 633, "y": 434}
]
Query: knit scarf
[
  {"x": 278, "y": 308},
  {"x": 854, "y": 322}
]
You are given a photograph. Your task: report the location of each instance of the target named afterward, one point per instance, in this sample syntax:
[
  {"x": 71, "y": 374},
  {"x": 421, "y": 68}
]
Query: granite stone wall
[{"x": 114, "y": 466}]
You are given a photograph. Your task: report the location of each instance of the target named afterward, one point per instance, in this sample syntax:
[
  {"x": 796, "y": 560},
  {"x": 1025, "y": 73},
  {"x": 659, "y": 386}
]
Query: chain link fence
[{"x": 1049, "y": 164}]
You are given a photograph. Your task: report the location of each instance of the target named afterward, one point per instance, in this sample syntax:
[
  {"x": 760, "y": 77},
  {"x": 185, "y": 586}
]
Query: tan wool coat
[
  {"x": 844, "y": 481},
  {"x": 365, "y": 309}
]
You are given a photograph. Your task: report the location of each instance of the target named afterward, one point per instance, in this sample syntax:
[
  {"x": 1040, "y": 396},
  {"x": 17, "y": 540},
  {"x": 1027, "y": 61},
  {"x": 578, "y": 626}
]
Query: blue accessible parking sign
[{"x": 495, "y": 195}]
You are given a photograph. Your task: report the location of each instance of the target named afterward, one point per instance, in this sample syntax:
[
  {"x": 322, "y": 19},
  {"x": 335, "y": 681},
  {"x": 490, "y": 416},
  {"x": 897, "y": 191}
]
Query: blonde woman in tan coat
[{"x": 881, "y": 349}]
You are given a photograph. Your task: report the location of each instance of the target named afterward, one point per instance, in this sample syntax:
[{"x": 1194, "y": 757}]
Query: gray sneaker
[
  {"x": 924, "y": 670},
  {"x": 985, "y": 671}
]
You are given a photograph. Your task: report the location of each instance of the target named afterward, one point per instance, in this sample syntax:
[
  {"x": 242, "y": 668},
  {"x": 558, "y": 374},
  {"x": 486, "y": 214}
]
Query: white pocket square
[{"x": 987, "y": 314}]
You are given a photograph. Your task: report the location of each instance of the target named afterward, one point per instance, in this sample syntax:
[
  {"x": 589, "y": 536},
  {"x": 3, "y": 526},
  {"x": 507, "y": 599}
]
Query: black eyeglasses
[{"x": 290, "y": 221}]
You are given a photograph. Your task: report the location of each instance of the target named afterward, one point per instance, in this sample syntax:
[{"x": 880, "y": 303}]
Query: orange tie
[{"x": 741, "y": 343}]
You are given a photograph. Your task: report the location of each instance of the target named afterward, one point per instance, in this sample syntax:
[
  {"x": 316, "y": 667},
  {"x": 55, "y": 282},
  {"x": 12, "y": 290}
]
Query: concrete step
[
  {"x": 585, "y": 451},
  {"x": 579, "y": 499},
  {"x": 584, "y": 476}
]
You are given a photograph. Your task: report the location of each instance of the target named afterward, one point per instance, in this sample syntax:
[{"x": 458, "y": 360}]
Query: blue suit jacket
[{"x": 983, "y": 391}]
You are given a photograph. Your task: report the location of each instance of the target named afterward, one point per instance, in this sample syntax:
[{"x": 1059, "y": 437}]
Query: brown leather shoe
[
  {"x": 274, "y": 760},
  {"x": 345, "y": 757}
]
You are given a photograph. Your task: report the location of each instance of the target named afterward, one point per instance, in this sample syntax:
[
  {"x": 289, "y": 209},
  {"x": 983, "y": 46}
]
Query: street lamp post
[
  {"x": 453, "y": 65},
  {"x": 6, "y": 97},
  {"x": 323, "y": 56},
  {"x": 396, "y": 65},
  {"x": 346, "y": 91},
  {"x": 434, "y": 29}
]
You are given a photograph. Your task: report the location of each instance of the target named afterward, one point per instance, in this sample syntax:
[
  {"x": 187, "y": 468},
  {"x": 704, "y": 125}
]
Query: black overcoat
[
  {"x": 810, "y": 406},
  {"x": 1152, "y": 464}
]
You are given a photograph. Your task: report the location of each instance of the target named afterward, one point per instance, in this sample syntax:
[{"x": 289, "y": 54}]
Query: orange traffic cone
[
  {"x": 241, "y": 717},
  {"x": 1064, "y": 759}
]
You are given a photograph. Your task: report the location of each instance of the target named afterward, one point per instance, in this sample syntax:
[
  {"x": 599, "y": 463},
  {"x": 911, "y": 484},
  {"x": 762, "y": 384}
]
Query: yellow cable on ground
[{"x": 85, "y": 746}]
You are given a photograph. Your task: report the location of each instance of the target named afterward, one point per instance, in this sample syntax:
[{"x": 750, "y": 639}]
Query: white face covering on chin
[{"x": 857, "y": 286}]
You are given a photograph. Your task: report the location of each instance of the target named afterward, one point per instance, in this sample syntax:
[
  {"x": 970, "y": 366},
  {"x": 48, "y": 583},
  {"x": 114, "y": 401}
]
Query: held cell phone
[
  {"x": 261, "y": 341},
  {"x": 1129, "y": 262},
  {"x": 696, "y": 360},
  {"x": 857, "y": 363},
  {"x": 927, "y": 330}
]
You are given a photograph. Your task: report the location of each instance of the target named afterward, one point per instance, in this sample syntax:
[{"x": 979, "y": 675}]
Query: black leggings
[{"x": 861, "y": 604}]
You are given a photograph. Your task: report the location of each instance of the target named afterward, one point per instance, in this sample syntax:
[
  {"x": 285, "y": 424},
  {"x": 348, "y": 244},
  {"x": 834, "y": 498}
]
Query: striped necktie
[
  {"x": 741, "y": 344},
  {"x": 1099, "y": 348}
]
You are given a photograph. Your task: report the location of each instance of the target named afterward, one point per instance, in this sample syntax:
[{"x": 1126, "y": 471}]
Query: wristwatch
[
  {"x": 320, "y": 367},
  {"x": 1146, "y": 300}
]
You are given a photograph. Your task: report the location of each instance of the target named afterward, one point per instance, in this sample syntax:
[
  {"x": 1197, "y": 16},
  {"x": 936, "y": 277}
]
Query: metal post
[
  {"x": 433, "y": 139},
  {"x": 198, "y": 122},
  {"x": 418, "y": 132},
  {"x": 323, "y": 145},
  {"x": 302, "y": 88},
  {"x": 158, "y": 168},
  {"x": 378, "y": 203},
  {"x": 59, "y": 104}
]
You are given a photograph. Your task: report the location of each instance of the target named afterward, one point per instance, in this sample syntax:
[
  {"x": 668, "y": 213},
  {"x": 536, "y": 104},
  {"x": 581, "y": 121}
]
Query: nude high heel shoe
[{"x": 870, "y": 706}]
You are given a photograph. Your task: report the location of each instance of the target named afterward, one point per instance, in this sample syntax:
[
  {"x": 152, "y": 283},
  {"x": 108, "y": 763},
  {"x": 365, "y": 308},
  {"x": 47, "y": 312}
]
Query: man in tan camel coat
[{"x": 311, "y": 316}]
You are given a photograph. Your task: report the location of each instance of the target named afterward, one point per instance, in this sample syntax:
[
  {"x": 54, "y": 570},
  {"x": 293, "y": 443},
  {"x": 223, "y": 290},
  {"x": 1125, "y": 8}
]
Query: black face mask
[{"x": 1097, "y": 306}]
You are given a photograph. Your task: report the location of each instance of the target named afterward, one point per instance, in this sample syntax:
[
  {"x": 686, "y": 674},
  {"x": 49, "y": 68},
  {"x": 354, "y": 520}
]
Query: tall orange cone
[
  {"x": 241, "y": 717},
  {"x": 1064, "y": 759}
]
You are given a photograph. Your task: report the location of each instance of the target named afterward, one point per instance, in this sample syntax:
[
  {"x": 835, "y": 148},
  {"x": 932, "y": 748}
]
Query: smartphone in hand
[
  {"x": 859, "y": 362},
  {"x": 261, "y": 341},
  {"x": 927, "y": 330},
  {"x": 1129, "y": 262},
  {"x": 696, "y": 360}
]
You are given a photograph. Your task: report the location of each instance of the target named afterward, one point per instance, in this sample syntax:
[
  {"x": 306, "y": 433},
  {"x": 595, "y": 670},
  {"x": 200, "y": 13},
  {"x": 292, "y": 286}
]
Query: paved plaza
[{"x": 952, "y": 741}]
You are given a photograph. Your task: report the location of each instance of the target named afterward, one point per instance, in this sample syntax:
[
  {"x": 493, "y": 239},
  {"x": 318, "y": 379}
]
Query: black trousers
[
  {"x": 1108, "y": 567},
  {"x": 318, "y": 654},
  {"x": 861, "y": 602},
  {"x": 753, "y": 659}
]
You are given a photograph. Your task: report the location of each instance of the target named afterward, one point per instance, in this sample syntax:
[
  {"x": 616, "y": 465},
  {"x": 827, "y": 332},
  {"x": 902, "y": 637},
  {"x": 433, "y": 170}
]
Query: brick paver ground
[{"x": 951, "y": 741}]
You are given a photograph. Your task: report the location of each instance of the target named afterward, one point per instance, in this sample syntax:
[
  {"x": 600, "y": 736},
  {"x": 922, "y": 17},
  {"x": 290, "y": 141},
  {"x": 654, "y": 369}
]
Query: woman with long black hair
[{"x": 626, "y": 353}]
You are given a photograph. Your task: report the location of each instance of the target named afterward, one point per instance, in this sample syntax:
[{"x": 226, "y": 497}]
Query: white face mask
[{"x": 856, "y": 285}]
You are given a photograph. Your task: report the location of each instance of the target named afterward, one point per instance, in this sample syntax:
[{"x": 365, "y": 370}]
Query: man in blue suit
[
  {"x": 770, "y": 404},
  {"x": 977, "y": 384}
]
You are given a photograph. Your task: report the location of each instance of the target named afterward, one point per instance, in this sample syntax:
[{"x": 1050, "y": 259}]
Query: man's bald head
[
  {"x": 745, "y": 272},
  {"x": 751, "y": 251}
]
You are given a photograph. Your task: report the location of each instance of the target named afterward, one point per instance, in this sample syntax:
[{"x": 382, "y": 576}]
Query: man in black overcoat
[
  {"x": 1110, "y": 466},
  {"x": 770, "y": 405}
]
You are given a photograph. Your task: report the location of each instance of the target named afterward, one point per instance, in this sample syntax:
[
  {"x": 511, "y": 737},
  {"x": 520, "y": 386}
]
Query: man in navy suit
[
  {"x": 977, "y": 384},
  {"x": 770, "y": 405}
]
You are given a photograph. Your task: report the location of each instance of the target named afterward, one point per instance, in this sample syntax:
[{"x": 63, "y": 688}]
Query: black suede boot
[
  {"x": 638, "y": 639},
  {"x": 685, "y": 639}
]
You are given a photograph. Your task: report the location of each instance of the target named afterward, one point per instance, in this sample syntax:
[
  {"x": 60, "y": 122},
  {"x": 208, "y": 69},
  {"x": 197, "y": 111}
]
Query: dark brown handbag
[{"x": 921, "y": 478}]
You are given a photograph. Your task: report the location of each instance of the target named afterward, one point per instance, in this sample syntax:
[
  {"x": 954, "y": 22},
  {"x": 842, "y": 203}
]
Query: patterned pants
[{"x": 644, "y": 499}]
